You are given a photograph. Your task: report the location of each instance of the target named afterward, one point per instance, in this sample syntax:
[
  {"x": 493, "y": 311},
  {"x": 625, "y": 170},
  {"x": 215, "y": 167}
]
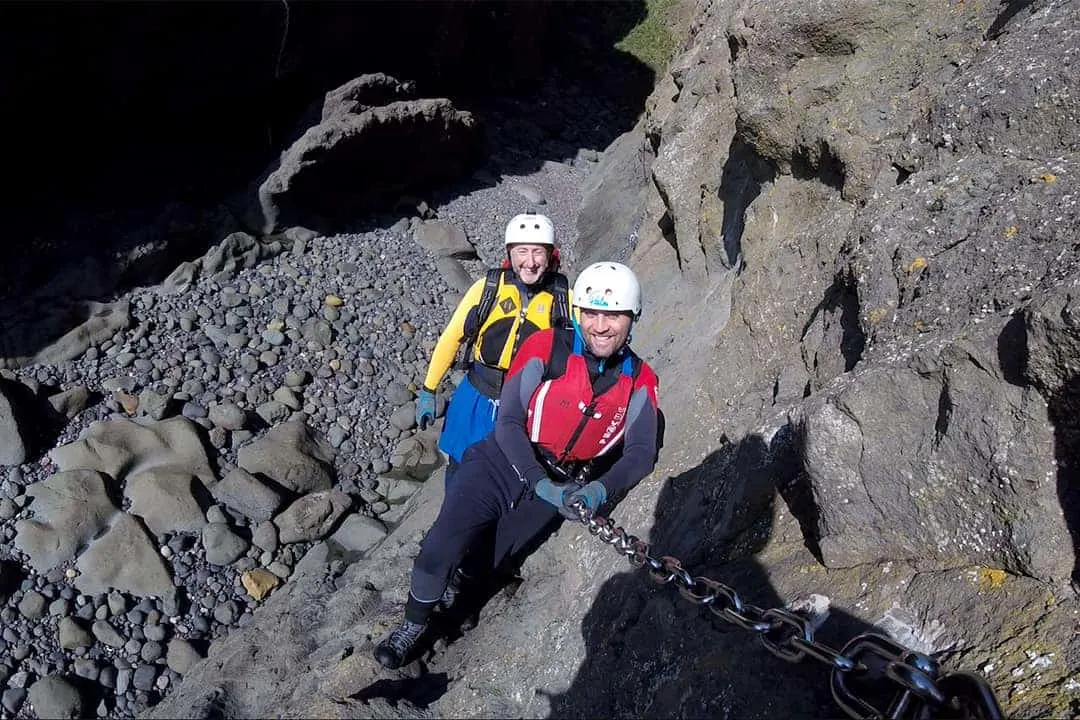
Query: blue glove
[
  {"x": 592, "y": 495},
  {"x": 549, "y": 491},
  {"x": 425, "y": 408}
]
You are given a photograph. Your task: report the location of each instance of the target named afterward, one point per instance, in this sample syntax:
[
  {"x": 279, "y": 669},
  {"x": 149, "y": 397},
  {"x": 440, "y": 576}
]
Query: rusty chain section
[{"x": 871, "y": 676}]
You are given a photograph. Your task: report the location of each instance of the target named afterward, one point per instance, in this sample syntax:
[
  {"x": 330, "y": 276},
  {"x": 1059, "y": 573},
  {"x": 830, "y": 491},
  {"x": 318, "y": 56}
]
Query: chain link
[{"x": 867, "y": 669}]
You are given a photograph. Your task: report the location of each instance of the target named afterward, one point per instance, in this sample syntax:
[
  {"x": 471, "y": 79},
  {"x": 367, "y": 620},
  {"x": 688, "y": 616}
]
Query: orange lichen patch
[
  {"x": 1047, "y": 178},
  {"x": 1011, "y": 231},
  {"x": 991, "y": 578},
  {"x": 917, "y": 264},
  {"x": 877, "y": 315}
]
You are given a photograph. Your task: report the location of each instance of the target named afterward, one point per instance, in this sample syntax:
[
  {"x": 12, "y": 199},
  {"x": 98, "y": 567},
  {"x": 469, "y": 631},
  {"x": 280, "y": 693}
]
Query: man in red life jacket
[{"x": 577, "y": 424}]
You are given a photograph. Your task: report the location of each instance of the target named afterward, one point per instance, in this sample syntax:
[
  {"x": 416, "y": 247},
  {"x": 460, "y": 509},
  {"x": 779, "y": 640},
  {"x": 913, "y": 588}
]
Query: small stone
[
  {"x": 225, "y": 613},
  {"x": 265, "y": 537},
  {"x": 107, "y": 634},
  {"x": 288, "y": 398},
  {"x": 180, "y": 655},
  {"x": 274, "y": 337},
  {"x": 297, "y": 378},
  {"x": 13, "y": 699},
  {"x": 272, "y": 412},
  {"x": 279, "y": 569},
  {"x": 71, "y": 635},
  {"x": 144, "y": 677},
  {"x": 32, "y": 605},
  {"x": 54, "y": 697},
  {"x": 193, "y": 411},
  {"x": 258, "y": 583},
  {"x": 151, "y": 651},
  {"x": 227, "y": 415},
  {"x": 123, "y": 680}
]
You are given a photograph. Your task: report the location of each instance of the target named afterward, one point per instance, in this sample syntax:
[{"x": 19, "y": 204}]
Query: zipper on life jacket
[
  {"x": 587, "y": 412},
  {"x": 519, "y": 324}
]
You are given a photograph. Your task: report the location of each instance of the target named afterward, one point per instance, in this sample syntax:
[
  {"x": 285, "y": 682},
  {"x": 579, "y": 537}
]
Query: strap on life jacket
[{"x": 560, "y": 309}]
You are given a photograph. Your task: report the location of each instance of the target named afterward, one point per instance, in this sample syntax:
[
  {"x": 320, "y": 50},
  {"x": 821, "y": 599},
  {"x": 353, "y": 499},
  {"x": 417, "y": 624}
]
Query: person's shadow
[{"x": 652, "y": 653}]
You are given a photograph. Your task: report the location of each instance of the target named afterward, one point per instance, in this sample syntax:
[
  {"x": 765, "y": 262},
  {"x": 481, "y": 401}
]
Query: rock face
[
  {"x": 856, "y": 237},
  {"x": 12, "y": 444},
  {"x": 291, "y": 456},
  {"x": 71, "y": 508},
  {"x": 124, "y": 558},
  {"x": 356, "y": 161}
]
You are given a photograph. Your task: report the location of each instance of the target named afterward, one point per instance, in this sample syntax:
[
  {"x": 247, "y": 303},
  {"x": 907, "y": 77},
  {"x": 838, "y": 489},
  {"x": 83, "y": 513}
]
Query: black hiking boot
[{"x": 396, "y": 647}]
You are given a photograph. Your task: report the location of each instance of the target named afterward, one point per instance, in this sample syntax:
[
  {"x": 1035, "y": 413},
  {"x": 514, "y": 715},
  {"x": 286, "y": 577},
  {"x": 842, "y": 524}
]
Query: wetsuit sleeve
[
  {"x": 525, "y": 375},
  {"x": 442, "y": 357},
  {"x": 639, "y": 442}
]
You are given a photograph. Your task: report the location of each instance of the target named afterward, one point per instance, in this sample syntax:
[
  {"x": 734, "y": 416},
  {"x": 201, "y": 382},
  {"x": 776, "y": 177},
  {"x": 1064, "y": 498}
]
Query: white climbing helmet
[
  {"x": 530, "y": 228},
  {"x": 608, "y": 286}
]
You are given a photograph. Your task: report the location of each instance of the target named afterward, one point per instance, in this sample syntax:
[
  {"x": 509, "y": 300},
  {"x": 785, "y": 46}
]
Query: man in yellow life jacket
[{"x": 497, "y": 313}]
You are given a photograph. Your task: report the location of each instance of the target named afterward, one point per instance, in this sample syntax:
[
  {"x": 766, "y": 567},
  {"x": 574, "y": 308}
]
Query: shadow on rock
[
  {"x": 419, "y": 692},
  {"x": 38, "y": 422},
  {"x": 652, "y": 653},
  {"x": 12, "y": 575},
  {"x": 1064, "y": 407}
]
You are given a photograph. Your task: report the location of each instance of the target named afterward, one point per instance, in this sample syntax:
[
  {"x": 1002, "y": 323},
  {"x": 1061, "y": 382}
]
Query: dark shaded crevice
[
  {"x": 38, "y": 422},
  {"x": 1064, "y": 409},
  {"x": 745, "y": 173},
  {"x": 1012, "y": 351},
  {"x": 798, "y": 495},
  {"x": 1010, "y": 10},
  {"x": 666, "y": 224},
  {"x": 818, "y": 163},
  {"x": 841, "y": 304},
  {"x": 902, "y": 174},
  {"x": 797, "y": 492},
  {"x": 853, "y": 340},
  {"x": 12, "y": 575},
  {"x": 944, "y": 414},
  {"x": 735, "y": 46}
]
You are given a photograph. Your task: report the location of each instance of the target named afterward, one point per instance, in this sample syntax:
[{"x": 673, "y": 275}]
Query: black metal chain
[{"x": 872, "y": 675}]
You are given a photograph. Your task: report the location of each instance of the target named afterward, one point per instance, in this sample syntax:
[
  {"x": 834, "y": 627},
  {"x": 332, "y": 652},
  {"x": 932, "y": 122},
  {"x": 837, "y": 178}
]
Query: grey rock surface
[
  {"x": 55, "y": 697},
  {"x": 12, "y": 445},
  {"x": 290, "y": 455},
  {"x": 246, "y": 494},
  {"x": 359, "y": 533},
  {"x": 396, "y": 138},
  {"x": 122, "y": 447},
  {"x": 443, "y": 239},
  {"x": 312, "y": 516},
  {"x": 124, "y": 558},
  {"x": 221, "y": 544},
  {"x": 70, "y": 509},
  {"x": 165, "y": 500}
]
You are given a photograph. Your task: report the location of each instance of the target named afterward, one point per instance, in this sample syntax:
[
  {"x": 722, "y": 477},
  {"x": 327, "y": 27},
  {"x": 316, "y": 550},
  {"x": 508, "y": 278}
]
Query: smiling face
[
  {"x": 529, "y": 262},
  {"x": 605, "y": 331}
]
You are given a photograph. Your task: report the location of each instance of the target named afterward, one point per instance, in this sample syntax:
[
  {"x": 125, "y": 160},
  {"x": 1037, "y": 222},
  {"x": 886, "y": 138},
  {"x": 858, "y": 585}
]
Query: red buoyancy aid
[{"x": 567, "y": 420}]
